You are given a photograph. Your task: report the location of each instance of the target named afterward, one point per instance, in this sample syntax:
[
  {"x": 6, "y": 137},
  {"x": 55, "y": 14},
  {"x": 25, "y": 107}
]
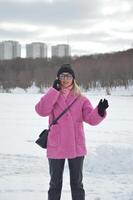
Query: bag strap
[{"x": 64, "y": 111}]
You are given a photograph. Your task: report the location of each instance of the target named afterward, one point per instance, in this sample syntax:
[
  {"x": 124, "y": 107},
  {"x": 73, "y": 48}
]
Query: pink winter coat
[{"x": 66, "y": 139}]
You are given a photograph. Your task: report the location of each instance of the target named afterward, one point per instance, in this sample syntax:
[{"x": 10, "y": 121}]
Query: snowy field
[{"x": 108, "y": 167}]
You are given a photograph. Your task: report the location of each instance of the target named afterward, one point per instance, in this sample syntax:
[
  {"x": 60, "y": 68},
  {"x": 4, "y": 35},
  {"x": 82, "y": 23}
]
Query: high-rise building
[
  {"x": 9, "y": 50},
  {"x": 36, "y": 50},
  {"x": 61, "y": 50}
]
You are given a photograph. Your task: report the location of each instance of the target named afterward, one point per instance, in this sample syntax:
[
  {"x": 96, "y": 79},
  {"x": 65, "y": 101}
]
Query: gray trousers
[{"x": 56, "y": 168}]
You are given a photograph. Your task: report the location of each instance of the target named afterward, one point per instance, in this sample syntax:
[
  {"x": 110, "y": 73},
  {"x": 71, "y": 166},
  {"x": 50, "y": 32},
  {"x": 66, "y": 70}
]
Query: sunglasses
[{"x": 68, "y": 76}]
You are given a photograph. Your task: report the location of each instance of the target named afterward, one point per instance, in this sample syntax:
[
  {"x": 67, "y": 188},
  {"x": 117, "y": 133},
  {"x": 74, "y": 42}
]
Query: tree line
[{"x": 104, "y": 70}]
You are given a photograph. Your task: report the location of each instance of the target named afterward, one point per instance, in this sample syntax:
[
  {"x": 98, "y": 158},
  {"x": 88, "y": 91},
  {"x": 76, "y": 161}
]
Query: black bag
[{"x": 42, "y": 140}]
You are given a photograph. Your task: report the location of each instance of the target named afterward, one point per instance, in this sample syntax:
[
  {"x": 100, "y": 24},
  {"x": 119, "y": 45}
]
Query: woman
[{"x": 66, "y": 138}]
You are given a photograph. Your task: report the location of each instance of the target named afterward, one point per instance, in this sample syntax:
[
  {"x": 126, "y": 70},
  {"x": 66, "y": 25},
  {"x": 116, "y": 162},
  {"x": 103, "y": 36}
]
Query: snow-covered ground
[{"x": 108, "y": 167}]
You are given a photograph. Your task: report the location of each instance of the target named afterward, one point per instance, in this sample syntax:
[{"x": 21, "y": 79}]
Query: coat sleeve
[
  {"x": 90, "y": 114},
  {"x": 46, "y": 103}
]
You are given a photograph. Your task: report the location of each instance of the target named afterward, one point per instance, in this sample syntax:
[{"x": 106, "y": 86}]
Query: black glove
[
  {"x": 102, "y": 106},
  {"x": 56, "y": 84}
]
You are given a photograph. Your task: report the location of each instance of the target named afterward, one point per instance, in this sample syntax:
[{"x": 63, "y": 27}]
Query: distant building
[
  {"x": 61, "y": 50},
  {"x": 36, "y": 50},
  {"x": 9, "y": 50}
]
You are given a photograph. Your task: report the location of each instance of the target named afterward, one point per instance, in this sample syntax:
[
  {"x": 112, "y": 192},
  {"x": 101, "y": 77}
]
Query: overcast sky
[{"x": 89, "y": 26}]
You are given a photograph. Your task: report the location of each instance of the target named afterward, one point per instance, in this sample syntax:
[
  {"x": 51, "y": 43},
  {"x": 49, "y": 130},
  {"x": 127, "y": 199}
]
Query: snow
[
  {"x": 108, "y": 167},
  {"x": 115, "y": 91}
]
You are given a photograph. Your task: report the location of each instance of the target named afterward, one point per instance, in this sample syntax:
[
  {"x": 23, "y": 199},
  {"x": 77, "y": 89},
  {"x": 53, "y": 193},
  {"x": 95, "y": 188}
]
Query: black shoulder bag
[{"x": 42, "y": 140}]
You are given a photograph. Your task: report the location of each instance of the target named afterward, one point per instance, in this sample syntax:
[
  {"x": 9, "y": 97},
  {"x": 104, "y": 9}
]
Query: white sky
[{"x": 89, "y": 26}]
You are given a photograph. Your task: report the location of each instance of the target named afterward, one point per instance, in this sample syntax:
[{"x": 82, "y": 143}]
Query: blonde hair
[{"x": 76, "y": 89}]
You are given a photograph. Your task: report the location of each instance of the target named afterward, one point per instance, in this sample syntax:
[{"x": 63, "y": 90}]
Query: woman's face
[{"x": 66, "y": 79}]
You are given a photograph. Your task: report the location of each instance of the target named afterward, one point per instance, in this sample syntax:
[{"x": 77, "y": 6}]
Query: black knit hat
[{"x": 66, "y": 68}]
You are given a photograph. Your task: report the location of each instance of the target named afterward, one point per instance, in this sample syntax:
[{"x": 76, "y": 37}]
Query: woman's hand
[
  {"x": 56, "y": 84},
  {"x": 102, "y": 106}
]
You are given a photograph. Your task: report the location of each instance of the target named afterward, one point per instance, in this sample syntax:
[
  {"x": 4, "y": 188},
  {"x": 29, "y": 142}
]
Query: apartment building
[
  {"x": 61, "y": 50},
  {"x": 36, "y": 50},
  {"x": 9, "y": 50}
]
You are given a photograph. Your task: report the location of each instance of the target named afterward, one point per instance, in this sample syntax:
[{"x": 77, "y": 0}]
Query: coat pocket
[
  {"x": 80, "y": 137},
  {"x": 53, "y": 137}
]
